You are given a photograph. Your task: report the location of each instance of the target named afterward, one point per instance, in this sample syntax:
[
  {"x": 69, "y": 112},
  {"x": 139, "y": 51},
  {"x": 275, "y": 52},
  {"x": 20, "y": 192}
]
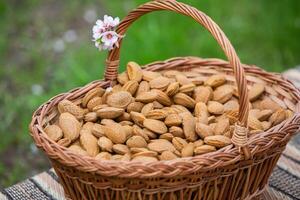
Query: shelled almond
[{"x": 150, "y": 116}]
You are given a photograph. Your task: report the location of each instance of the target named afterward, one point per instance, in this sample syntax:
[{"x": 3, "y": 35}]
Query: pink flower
[{"x": 104, "y": 34}]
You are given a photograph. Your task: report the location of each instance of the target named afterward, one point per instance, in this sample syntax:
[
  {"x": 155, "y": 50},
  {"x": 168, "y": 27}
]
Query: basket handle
[{"x": 240, "y": 134}]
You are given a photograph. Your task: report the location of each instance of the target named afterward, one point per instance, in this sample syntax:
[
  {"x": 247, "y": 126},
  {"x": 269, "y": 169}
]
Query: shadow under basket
[{"x": 237, "y": 171}]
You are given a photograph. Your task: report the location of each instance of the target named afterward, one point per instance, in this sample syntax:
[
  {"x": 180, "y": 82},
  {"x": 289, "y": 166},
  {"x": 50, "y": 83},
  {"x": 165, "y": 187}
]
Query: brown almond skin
[
  {"x": 176, "y": 131},
  {"x": 184, "y": 100},
  {"x": 68, "y": 106},
  {"x": 147, "y": 97},
  {"x": 103, "y": 156},
  {"x": 222, "y": 126},
  {"x": 173, "y": 120},
  {"x": 278, "y": 117},
  {"x": 218, "y": 141},
  {"x": 54, "y": 132},
  {"x": 203, "y": 94},
  {"x": 143, "y": 87},
  {"x": 109, "y": 112},
  {"x": 120, "y": 149},
  {"x": 203, "y": 130},
  {"x": 188, "y": 150},
  {"x": 105, "y": 144},
  {"x": 156, "y": 126},
  {"x": 115, "y": 133},
  {"x": 215, "y": 107},
  {"x": 77, "y": 149},
  {"x": 201, "y": 112},
  {"x": 167, "y": 155},
  {"x": 189, "y": 122},
  {"x": 96, "y": 92},
  {"x": 160, "y": 145},
  {"x": 135, "y": 106},
  {"x": 215, "y": 80},
  {"x": 256, "y": 91},
  {"x": 69, "y": 125},
  {"x": 204, "y": 149},
  {"x": 134, "y": 71},
  {"x": 179, "y": 143},
  {"x": 89, "y": 142},
  {"x": 119, "y": 99},
  {"x": 136, "y": 142}
]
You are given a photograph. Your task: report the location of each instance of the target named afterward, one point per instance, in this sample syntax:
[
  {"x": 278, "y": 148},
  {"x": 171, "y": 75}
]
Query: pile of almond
[{"x": 150, "y": 116}]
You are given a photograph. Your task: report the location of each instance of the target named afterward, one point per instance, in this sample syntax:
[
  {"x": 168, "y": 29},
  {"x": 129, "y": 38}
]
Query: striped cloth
[{"x": 284, "y": 183}]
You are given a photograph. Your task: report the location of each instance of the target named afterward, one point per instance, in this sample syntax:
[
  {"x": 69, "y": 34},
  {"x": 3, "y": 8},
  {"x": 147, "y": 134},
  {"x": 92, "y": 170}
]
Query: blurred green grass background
[{"x": 46, "y": 49}]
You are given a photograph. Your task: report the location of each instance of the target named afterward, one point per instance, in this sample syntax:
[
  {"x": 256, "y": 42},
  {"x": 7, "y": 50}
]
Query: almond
[
  {"x": 148, "y": 107},
  {"x": 122, "y": 78},
  {"x": 143, "y": 87},
  {"x": 268, "y": 104},
  {"x": 98, "y": 130},
  {"x": 135, "y": 106},
  {"x": 166, "y": 136},
  {"x": 176, "y": 131},
  {"x": 256, "y": 91},
  {"x": 160, "y": 145},
  {"x": 144, "y": 159},
  {"x": 179, "y": 109},
  {"x": 138, "y": 118},
  {"x": 105, "y": 144},
  {"x": 254, "y": 123},
  {"x": 179, "y": 143},
  {"x": 223, "y": 93},
  {"x": 218, "y": 141},
  {"x": 140, "y": 132},
  {"x": 136, "y": 142},
  {"x": 201, "y": 112},
  {"x": 182, "y": 79},
  {"x": 173, "y": 120},
  {"x": 167, "y": 155},
  {"x": 69, "y": 125},
  {"x": 222, "y": 126},
  {"x": 109, "y": 112},
  {"x": 231, "y": 105},
  {"x": 156, "y": 114},
  {"x": 54, "y": 132},
  {"x": 96, "y": 101},
  {"x": 215, "y": 107},
  {"x": 120, "y": 149},
  {"x": 198, "y": 143},
  {"x": 203, "y": 130},
  {"x": 90, "y": 117},
  {"x": 147, "y": 97},
  {"x": 188, "y": 150},
  {"x": 78, "y": 150},
  {"x": 266, "y": 125},
  {"x": 131, "y": 87},
  {"x": 278, "y": 117},
  {"x": 145, "y": 153},
  {"x": 134, "y": 71},
  {"x": 203, "y": 94},
  {"x": 188, "y": 123},
  {"x": 215, "y": 80},
  {"x": 70, "y": 107},
  {"x": 65, "y": 142},
  {"x": 160, "y": 83},
  {"x": 103, "y": 156},
  {"x": 204, "y": 149},
  {"x": 155, "y": 126},
  {"x": 184, "y": 100},
  {"x": 119, "y": 99},
  {"x": 89, "y": 142},
  {"x": 264, "y": 115},
  {"x": 172, "y": 89},
  {"x": 149, "y": 133},
  {"x": 149, "y": 75},
  {"x": 187, "y": 88},
  {"x": 96, "y": 92},
  {"x": 115, "y": 133},
  {"x": 162, "y": 98}
]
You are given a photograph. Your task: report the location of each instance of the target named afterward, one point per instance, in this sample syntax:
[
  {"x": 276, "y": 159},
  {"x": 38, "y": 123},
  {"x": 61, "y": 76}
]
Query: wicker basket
[{"x": 238, "y": 171}]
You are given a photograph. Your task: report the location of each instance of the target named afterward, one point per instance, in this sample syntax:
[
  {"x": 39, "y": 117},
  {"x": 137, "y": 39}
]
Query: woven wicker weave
[{"x": 238, "y": 171}]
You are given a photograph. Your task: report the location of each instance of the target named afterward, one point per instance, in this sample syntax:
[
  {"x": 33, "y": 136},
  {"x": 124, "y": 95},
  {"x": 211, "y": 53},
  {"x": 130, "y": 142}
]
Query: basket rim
[{"x": 178, "y": 167}]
